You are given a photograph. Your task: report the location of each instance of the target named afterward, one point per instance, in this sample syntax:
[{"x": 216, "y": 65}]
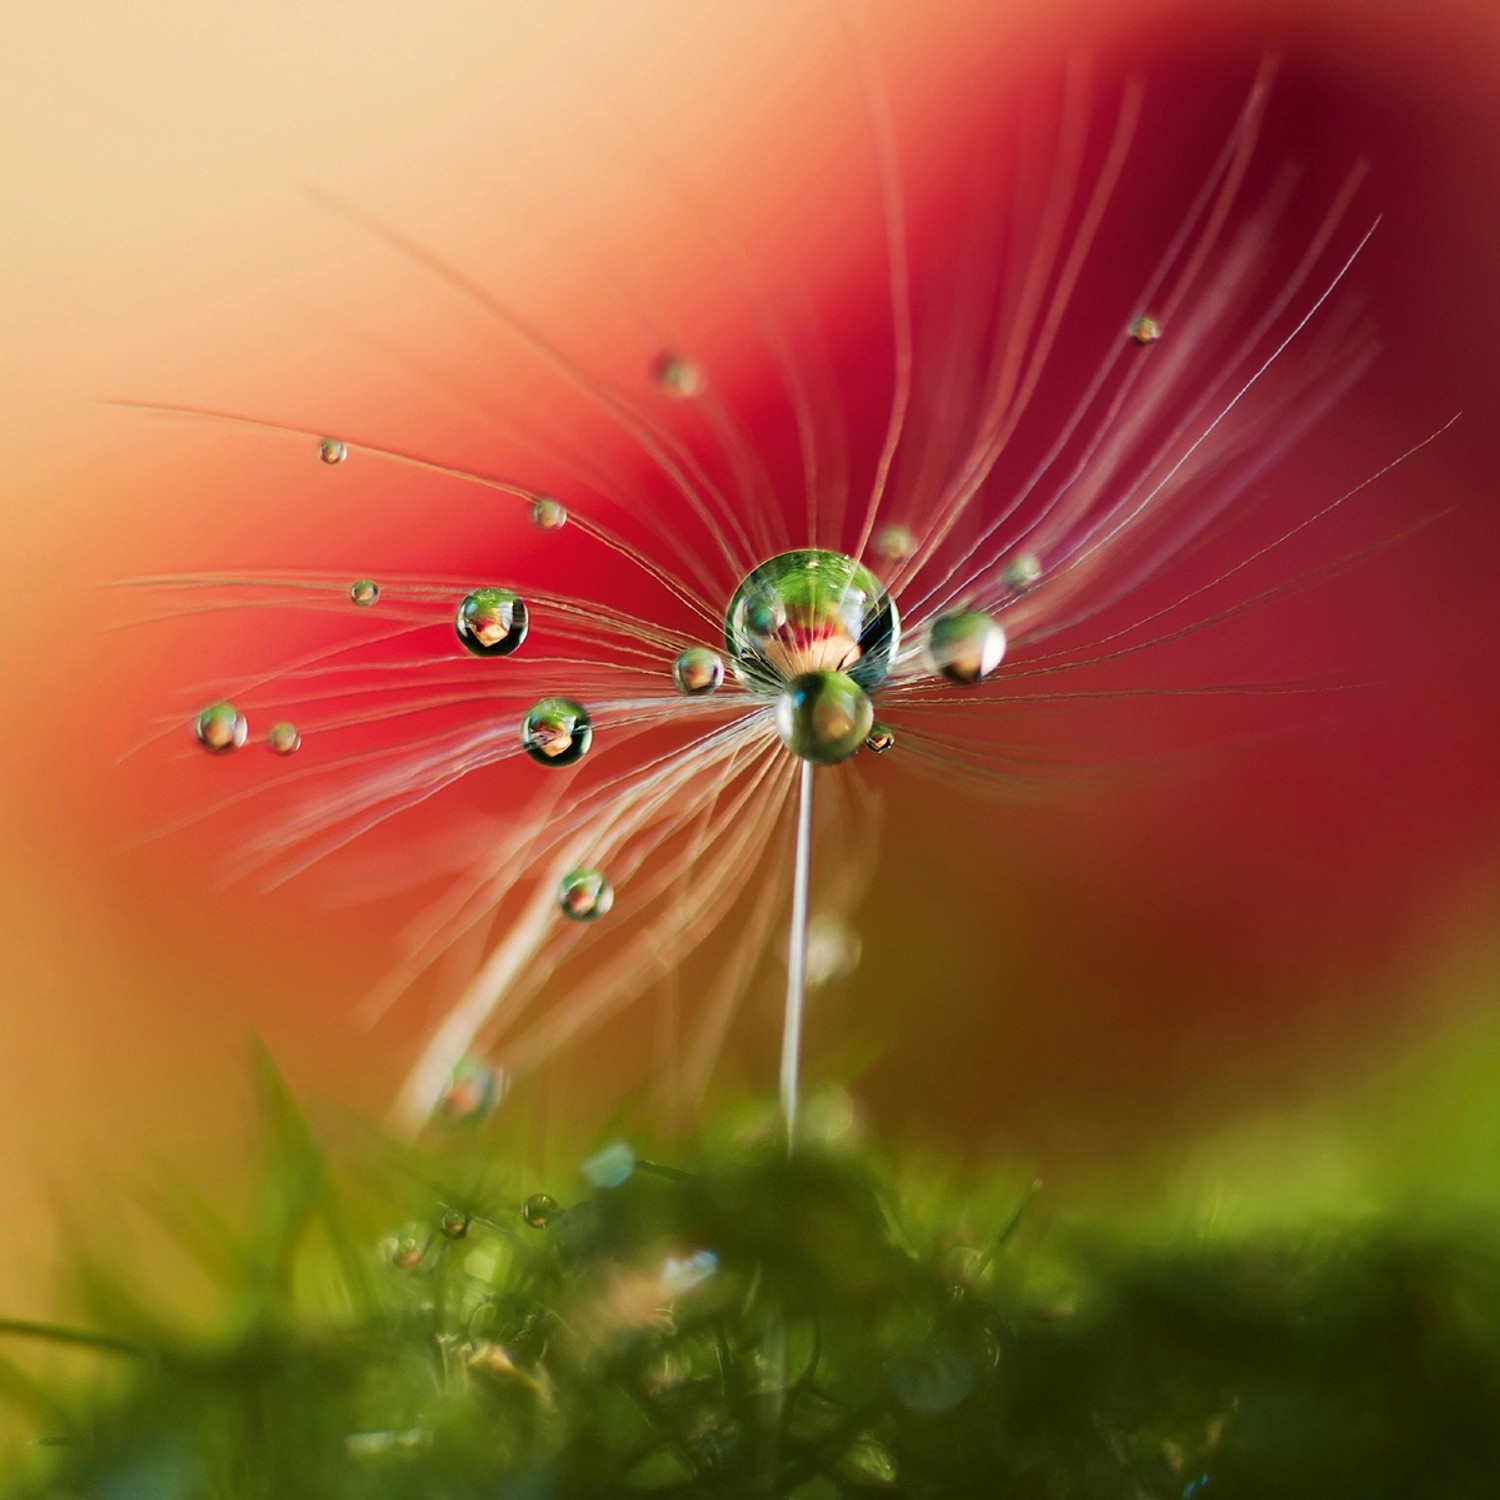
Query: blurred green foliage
[{"x": 743, "y": 1321}]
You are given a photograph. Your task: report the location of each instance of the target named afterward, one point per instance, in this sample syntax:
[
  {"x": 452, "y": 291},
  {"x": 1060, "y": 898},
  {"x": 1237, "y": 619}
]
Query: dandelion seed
[{"x": 960, "y": 558}]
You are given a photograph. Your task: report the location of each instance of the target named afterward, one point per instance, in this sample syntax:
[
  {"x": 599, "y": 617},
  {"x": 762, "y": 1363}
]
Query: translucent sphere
[
  {"x": 895, "y": 543},
  {"x": 1021, "y": 572},
  {"x": 810, "y": 611},
  {"x": 824, "y": 717},
  {"x": 584, "y": 895},
  {"x": 220, "y": 728},
  {"x": 965, "y": 647},
  {"x": 880, "y": 738},
  {"x": 491, "y": 622},
  {"x": 283, "y": 738},
  {"x": 454, "y": 1224},
  {"x": 539, "y": 1210},
  {"x": 1144, "y": 329},
  {"x": 472, "y": 1092},
  {"x": 698, "y": 672},
  {"x": 676, "y": 376},
  {"x": 331, "y": 451},
  {"x": 548, "y": 514},
  {"x": 556, "y": 732},
  {"x": 364, "y": 592}
]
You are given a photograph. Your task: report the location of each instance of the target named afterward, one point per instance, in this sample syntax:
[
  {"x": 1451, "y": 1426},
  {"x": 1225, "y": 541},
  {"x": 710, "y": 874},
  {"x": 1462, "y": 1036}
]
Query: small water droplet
[
  {"x": 584, "y": 895},
  {"x": 491, "y": 621},
  {"x": 548, "y": 514},
  {"x": 454, "y": 1224},
  {"x": 283, "y": 738},
  {"x": 895, "y": 543},
  {"x": 880, "y": 738},
  {"x": 472, "y": 1093},
  {"x": 332, "y": 451},
  {"x": 539, "y": 1210},
  {"x": 833, "y": 950},
  {"x": 1144, "y": 329},
  {"x": 1021, "y": 572},
  {"x": 698, "y": 672},
  {"x": 965, "y": 647},
  {"x": 611, "y": 1167},
  {"x": 406, "y": 1250},
  {"x": 824, "y": 717},
  {"x": 220, "y": 728},
  {"x": 932, "y": 1379},
  {"x": 677, "y": 376},
  {"x": 364, "y": 592},
  {"x": 556, "y": 732}
]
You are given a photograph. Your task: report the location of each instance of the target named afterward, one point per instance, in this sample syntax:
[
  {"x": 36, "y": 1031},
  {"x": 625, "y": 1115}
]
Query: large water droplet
[
  {"x": 472, "y": 1093},
  {"x": 880, "y": 738},
  {"x": 491, "y": 621},
  {"x": 220, "y": 728},
  {"x": 284, "y": 738},
  {"x": 824, "y": 717},
  {"x": 539, "y": 1210},
  {"x": 810, "y": 611},
  {"x": 895, "y": 543},
  {"x": 965, "y": 647},
  {"x": 584, "y": 895},
  {"x": 331, "y": 451},
  {"x": 678, "y": 377},
  {"x": 364, "y": 592},
  {"x": 1144, "y": 329},
  {"x": 556, "y": 732},
  {"x": 548, "y": 514},
  {"x": 698, "y": 672}
]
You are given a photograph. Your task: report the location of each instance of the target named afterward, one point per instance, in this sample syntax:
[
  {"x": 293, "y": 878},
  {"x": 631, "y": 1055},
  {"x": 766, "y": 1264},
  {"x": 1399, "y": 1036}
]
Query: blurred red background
[{"x": 1083, "y": 978}]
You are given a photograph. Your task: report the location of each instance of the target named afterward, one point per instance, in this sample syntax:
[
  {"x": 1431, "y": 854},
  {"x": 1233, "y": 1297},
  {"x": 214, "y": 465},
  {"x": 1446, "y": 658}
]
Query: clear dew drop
[
  {"x": 965, "y": 647},
  {"x": 407, "y": 1250},
  {"x": 678, "y": 377},
  {"x": 364, "y": 592},
  {"x": 548, "y": 514},
  {"x": 220, "y": 728},
  {"x": 584, "y": 895},
  {"x": 332, "y": 451},
  {"x": 454, "y": 1224},
  {"x": 698, "y": 672},
  {"x": 1144, "y": 330},
  {"x": 491, "y": 621},
  {"x": 283, "y": 738},
  {"x": 556, "y": 732},
  {"x": 1021, "y": 572},
  {"x": 472, "y": 1093},
  {"x": 810, "y": 611},
  {"x": 880, "y": 738},
  {"x": 895, "y": 543},
  {"x": 824, "y": 717},
  {"x": 539, "y": 1210}
]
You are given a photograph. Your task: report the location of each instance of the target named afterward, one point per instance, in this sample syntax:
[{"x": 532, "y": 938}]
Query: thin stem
[{"x": 796, "y": 963}]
